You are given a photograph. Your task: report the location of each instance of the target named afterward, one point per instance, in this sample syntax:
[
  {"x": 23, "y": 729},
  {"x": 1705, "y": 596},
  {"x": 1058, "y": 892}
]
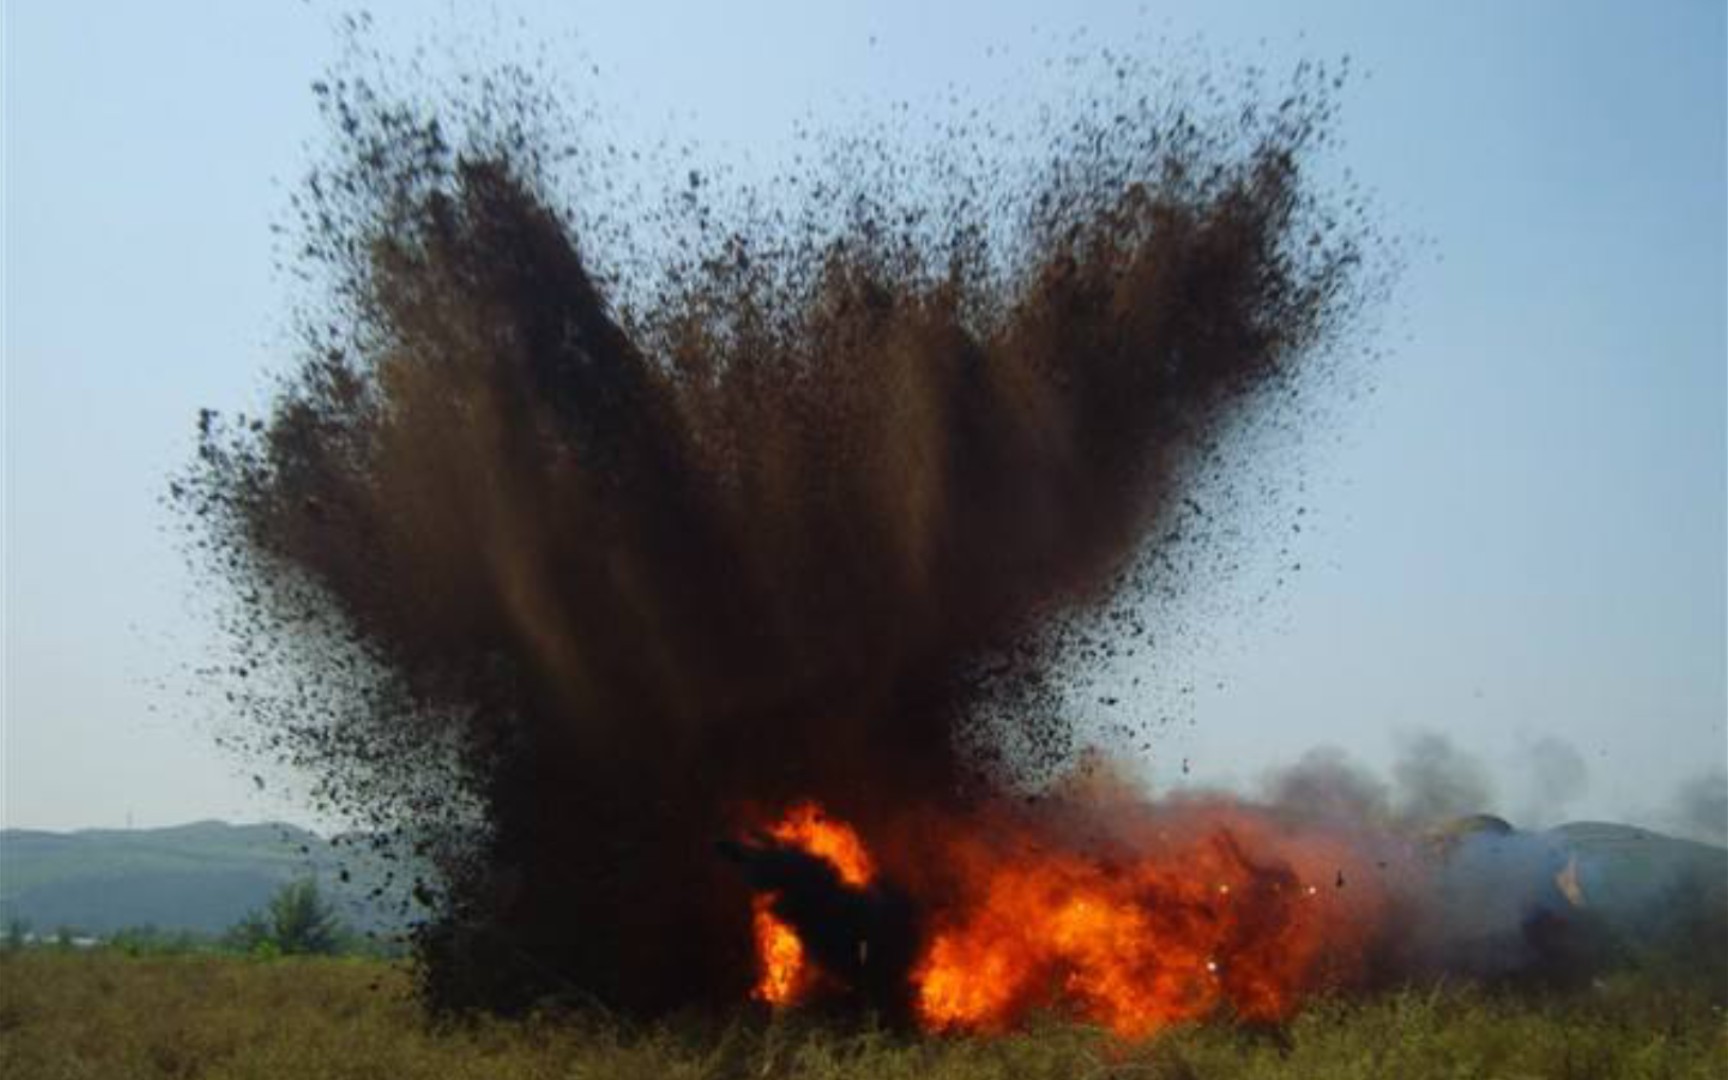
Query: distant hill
[
  {"x": 207, "y": 875},
  {"x": 202, "y": 877},
  {"x": 1626, "y": 871}
]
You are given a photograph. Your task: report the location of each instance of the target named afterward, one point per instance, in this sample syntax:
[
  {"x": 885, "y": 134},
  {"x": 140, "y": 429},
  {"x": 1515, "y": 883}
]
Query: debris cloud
[{"x": 567, "y": 566}]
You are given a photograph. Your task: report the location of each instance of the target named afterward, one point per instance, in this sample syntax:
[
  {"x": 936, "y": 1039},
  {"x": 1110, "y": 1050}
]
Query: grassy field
[{"x": 100, "y": 1014}]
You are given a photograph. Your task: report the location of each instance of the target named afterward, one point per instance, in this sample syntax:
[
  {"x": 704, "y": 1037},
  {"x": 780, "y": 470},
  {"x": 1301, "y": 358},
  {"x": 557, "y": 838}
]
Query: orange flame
[
  {"x": 1232, "y": 915},
  {"x": 806, "y": 826},
  {"x": 785, "y": 978},
  {"x": 1135, "y": 947}
]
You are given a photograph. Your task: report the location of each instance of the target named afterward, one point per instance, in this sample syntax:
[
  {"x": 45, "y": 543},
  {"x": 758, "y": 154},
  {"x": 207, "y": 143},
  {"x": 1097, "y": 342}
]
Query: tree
[
  {"x": 251, "y": 934},
  {"x": 152, "y": 940},
  {"x": 297, "y": 922},
  {"x": 302, "y": 921}
]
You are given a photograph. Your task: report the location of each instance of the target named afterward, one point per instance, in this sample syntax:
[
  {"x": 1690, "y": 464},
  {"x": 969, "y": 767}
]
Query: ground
[{"x": 102, "y": 1014}]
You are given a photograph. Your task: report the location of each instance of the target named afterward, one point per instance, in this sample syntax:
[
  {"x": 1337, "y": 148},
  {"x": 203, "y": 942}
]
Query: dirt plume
[{"x": 560, "y": 577}]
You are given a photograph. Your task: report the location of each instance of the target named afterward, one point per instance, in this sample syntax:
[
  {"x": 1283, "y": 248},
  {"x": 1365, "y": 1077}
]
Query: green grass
[{"x": 67, "y": 1015}]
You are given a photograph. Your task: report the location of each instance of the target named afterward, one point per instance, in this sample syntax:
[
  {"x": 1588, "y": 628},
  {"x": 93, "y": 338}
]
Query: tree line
[{"x": 297, "y": 921}]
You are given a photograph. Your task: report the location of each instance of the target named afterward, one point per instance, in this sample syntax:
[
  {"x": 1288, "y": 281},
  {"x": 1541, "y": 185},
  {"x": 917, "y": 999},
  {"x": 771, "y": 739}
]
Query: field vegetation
[{"x": 103, "y": 1013}]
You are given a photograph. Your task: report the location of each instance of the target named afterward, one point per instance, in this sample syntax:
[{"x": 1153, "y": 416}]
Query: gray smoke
[
  {"x": 1480, "y": 898},
  {"x": 1434, "y": 780},
  {"x": 1494, "y": 907},
  {"x": 1326, "y": 787},
  {"x": 1558, "y": 778},
  {"x": 1700, "y": 810}
]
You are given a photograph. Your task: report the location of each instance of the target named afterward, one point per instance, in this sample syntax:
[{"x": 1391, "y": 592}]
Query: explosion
[
  {"x": 1215, "y": 910},
  {"x": 549, "y": 564}
]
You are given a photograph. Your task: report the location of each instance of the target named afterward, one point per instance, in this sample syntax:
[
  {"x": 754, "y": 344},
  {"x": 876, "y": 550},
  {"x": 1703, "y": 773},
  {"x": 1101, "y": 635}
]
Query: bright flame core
[
  {"x": 1225, "y": 918},
  {"x": 1134, "y": 947},
  {"x": 806, "y": 827},
  {"x": 784, "y": 977}
]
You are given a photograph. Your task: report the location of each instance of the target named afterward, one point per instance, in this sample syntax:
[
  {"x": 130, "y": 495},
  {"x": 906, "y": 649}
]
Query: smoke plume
[
  {"x": 1701, "y": 808},
  {"x": 1325, "y": 786},
  {"x": 1558, "y": 778},
  {"x": 1436, "y": 780}
]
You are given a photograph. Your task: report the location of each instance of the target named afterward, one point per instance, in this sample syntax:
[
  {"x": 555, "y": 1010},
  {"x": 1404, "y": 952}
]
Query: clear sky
[{"x": 1520, "y": 534}]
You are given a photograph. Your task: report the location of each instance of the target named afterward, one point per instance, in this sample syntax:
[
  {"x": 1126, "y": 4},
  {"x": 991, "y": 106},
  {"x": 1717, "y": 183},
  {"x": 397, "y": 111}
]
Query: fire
[
  {"x": 1135, "y": 946},
  {"x": 1220, "y": 912},
  {"x": 805, "y": 826},
  {"x": 785, "y": 976}
]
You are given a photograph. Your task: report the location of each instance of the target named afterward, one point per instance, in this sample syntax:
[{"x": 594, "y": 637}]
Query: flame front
[
  {"x": 1135, "y": 946},
  {"x": 806, "y": 827},
  {"x": 1216, "y": 911},
  {"x": 784, "y": 976}
]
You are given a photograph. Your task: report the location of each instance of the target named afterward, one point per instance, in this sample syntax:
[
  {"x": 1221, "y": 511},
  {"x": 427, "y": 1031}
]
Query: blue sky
[{"x": 1520, "y": 533}]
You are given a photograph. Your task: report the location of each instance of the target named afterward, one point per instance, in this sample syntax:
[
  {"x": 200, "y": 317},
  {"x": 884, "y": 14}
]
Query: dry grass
[{"x": 65, "y": 1016}]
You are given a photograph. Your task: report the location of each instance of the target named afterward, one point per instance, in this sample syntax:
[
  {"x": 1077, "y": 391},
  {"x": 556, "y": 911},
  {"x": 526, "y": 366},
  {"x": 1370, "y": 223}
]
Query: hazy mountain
[
  {"x": 1626, "y": 871},
  {"x": 204, "y": 876}
]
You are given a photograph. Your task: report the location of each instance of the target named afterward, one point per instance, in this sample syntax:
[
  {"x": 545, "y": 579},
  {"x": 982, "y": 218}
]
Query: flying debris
[{"x": 561, "y": 558}]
